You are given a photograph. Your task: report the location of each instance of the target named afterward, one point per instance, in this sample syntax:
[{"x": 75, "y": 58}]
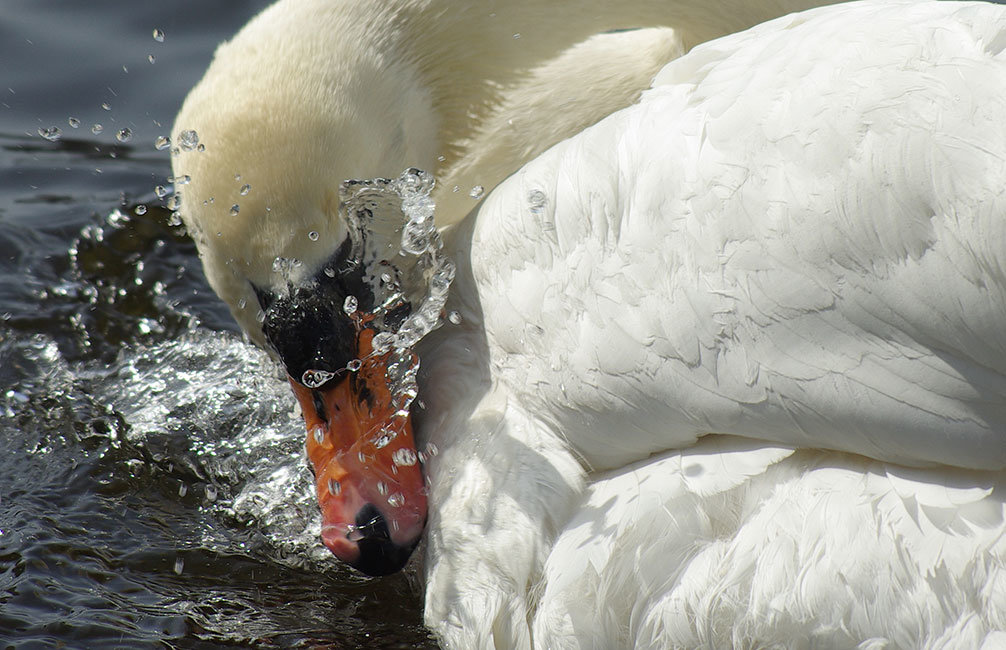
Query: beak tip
[
  {"x": 370, "y": 556},
  {"x": 373, "y": 552},
  {"x": 382, "y": 557},
  {"x": 341, "y": 547}
]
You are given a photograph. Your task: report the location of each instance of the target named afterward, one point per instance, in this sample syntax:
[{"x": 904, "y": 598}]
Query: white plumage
[{"x": 732, "y": 369}]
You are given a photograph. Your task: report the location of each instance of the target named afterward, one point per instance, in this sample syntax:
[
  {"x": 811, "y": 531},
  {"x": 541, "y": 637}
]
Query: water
[
  {"x": 153, "y": 488},
  {"x": 403, "y": 261}
]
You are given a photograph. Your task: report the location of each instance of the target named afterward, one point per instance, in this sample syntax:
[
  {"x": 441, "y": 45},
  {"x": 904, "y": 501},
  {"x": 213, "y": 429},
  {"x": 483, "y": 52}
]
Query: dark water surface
[{"x": 153, "y": 491}]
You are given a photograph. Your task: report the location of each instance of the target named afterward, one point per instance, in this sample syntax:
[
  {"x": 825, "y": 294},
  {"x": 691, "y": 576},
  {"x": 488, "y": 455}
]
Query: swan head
[{"x": 262, "y": 146}]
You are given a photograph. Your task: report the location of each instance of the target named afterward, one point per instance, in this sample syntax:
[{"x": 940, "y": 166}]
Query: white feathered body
[{"x": 794, "y": 241}]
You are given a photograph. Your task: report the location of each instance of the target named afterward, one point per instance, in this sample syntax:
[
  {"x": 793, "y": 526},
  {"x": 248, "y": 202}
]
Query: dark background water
[{"x": 152, "y": 487}]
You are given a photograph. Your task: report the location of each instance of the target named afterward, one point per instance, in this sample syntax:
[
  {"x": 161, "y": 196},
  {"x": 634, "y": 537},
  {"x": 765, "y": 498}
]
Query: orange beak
[{"x": 367, "y": 473}]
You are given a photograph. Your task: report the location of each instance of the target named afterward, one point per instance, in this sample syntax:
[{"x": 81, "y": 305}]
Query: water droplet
[
  {"x": 161, "y": 191},
  {"x": 382, "y": 488},
  {"x": 106, "y": 106},
  {"x": 385, "y": 437},
  {"x": 441, "y": 280},
  {"x": 329, "y": 271},
  {"x": 124, "y": 135},
  {"x": 183, "y": 489},
  {"x": 536, "y": 200},
  {"x": 404, "y": 456},
  {"x": 242, "y": 303},
  {"x": 174, "y": 201},
  {"x": 235, "y": 209},
  {"x": 454, "y": 317},
  {"x": 396, "y": 500},
  {"x": 184, "y": 179},
  {"x": 158, "y": 35},
  {"x": 431, "y": 450},
  {"x": 211, "y": 493},
  {"x": 477, "y": 192},
  {"x": 441, "y": 158},
  {"x": 354, "y": 365},
  {"x": 74, "y": 123},
  {"x": 51, "y": 133},
  {"x": 316, "y": 378},
  {"x": 353, "y": 534},
  {"x": 319, "y": 435},
  {"x": 201, "y": 147},
  {"x": 179, "y": 565},
  {"x": 97, "y": 128},
  {"x": 140, "y": 209},
  {"x": 350, "y": 305},
  {"x": 260, "y": 316},
  {"x": 188, "y": 140},
  {"x": 150, "y": 57},
  {"x": 334, "y": 487},
  {"x": 313, "y": 235},
  {"x": 162, "y": 142},
  {"x": 245, "y": 189},
  {"x": 175, "y": 219},
  {"x": 516, "y": 36}
]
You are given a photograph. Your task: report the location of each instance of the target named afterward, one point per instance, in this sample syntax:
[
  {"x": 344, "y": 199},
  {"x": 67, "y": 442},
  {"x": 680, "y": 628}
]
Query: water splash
[
  {"x": 222, "y": 420},
  {"x": 394, "y": 238},
  {"x": 392, "y": 229}
]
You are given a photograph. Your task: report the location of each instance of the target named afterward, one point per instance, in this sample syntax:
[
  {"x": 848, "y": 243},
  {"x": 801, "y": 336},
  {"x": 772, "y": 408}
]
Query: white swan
[
  {"x": 796, "y": 237},
  {"x": 286, "y": 111}
]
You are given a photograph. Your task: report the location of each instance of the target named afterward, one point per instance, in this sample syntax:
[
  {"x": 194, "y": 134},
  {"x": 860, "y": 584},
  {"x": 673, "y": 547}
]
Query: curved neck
[
  {"x": 468, "y": 51},
  {"x": 473, "y": 57}
]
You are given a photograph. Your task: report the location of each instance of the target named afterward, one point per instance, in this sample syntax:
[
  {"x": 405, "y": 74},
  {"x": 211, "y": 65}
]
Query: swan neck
[{"x": 468, "y": 55}]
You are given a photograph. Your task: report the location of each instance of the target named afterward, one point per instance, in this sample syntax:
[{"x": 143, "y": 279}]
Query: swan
[
  {"x": 397, "y": 88},
  {"x": 729, "y": 369}
]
